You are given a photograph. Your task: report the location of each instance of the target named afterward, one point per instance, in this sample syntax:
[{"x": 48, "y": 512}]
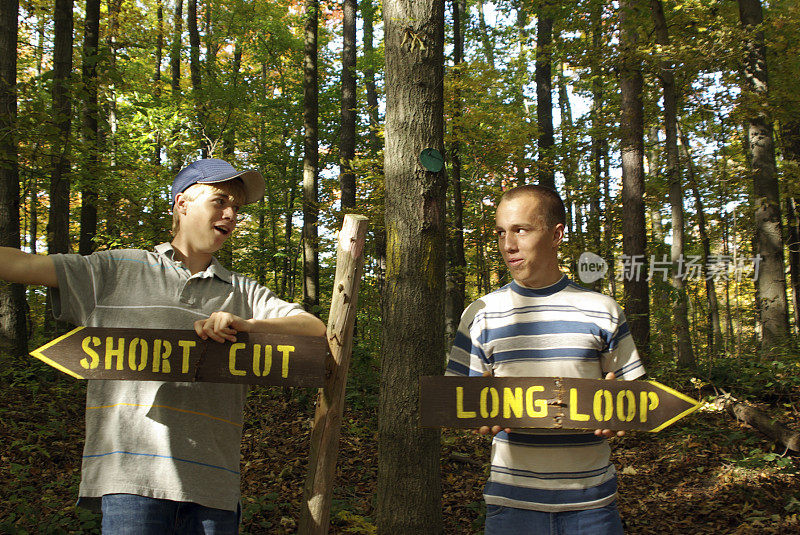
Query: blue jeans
[
  {"x": 502, "y": 520},
  {"x": 130, "y": 514}
]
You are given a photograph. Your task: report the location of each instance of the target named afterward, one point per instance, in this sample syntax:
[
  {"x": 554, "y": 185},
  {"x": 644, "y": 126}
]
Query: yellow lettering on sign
[
  {"x": 644, "y": 406},
  {"x": 95, "y": 358},
  {"x": 622, "y": 397},
  {"x": 573, "y": 407},
  {"x": 257, "y": 360},
  {"x": 485, "y": 412},
  {"x": 187, "y": 346},
  {"x": 285, "y": 368},
  {"x": 603, "y": 405},
  {"x": 537, "y": 408},
  {"x": 232, "y": 359},
  {"x": 138, "y": 342},
  {"x": 512, "y": 401},
  {"x": 460, "y": 412},
  {"x": 161, "y": 360},
  {"x": 111, "y": 352}
]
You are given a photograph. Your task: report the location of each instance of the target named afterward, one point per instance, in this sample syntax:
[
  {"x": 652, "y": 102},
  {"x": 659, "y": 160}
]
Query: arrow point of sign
[
  {"x": 693, "y": 405},
  {"x": 39, "y": 353}
]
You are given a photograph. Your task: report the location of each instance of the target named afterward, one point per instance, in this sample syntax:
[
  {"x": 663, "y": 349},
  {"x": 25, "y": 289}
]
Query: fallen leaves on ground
[{"x": 704, "y": 475}]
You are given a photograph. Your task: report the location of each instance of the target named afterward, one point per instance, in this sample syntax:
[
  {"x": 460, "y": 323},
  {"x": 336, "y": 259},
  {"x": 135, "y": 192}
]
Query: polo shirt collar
[
  {"x": 541, "y": 292},
  {"x": 215, "y": 269}
]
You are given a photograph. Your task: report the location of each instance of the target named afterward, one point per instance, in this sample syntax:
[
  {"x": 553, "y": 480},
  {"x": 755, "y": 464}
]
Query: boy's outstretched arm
[
  {"x": 26, "y": 268},
  {"x": 222, "y": 326}
]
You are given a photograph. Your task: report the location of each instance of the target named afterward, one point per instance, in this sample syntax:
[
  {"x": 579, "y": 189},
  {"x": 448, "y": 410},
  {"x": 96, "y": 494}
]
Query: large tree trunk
[
  {"x": 310, "y": 161},
  {"x": 347, "y": 136},
  {"x": 634, "y": 232},
  {"x": 90, "y": 172},
  {"x": 456, "y": 262},
  {"x": 771, "y": 281},
  {"x": 13, "y": 327},
  {"x": 680, "y": 308},
  {"x": 409, "y": 493},
  {"x": 58, "y": 223},
  {"x": 520, "y": 158},
  {"x": 544, "y": 98}
]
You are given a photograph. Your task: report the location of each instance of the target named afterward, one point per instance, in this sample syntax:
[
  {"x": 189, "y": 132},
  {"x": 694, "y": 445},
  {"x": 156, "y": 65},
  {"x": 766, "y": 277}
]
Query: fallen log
[{"x": 788, "y": 438}]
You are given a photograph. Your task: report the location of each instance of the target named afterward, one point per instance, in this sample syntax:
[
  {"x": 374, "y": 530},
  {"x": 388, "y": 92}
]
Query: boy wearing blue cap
[{"x": 164, "y": 457}]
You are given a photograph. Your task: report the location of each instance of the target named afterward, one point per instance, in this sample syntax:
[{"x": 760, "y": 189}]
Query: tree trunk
[
  {"x": 544, "y": 98},
  {"x": 686, "y": 358},
  {"x": 175, "y": 74},
  {"x": 488, "y": 48},
  {"x": 196, "y": 76},
  {"x": 597, "y": 128},
  {"x": 715, "y": 332},
  {"x": 794, "y": 255},
  {"x": 91, "y": 173},
  {"x": 634, "y": 232},
  {"x": 771, "y": 282},
  {"x": 347, "y": 136},
  {"x": 520, "y": 158},
  {"x": 13, "y": 325},
  {"x": 157, "y": 78},
  {"x": 58, "y": 223},
  {"x": 409, "y": 493},
  {"x": 456, "y": 262},
  {"x": 368, "y": 16},
  {"x": 310, "y": 161}
]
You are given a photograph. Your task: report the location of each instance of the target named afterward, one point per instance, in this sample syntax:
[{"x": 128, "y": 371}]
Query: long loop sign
[
  {"x": 181, "y": 356},
  {"x": 550, "y": 402}
]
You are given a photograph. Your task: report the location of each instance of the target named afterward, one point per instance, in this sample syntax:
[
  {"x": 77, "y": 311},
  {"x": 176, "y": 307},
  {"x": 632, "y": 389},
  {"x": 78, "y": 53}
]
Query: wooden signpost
[
  {"x": 174, "y": 355},
  {"x": 550, "y": 402}
]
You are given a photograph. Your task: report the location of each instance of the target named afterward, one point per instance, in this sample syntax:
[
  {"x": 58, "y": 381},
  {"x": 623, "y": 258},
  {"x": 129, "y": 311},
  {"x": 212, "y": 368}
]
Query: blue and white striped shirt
[{"x": 562, "y": 330}]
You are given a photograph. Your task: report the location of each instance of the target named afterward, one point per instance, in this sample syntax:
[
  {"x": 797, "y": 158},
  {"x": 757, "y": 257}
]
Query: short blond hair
[{"x": 233, "y": 188}]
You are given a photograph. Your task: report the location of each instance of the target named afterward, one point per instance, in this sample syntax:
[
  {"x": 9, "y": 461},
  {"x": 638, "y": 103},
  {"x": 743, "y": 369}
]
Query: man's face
[
  {"x": 209, "y": 218},
  {"x": 529, "y": 248}
]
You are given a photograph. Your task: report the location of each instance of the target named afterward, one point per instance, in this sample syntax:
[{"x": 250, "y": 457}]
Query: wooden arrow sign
[
  {"x": 550, "y": 402},
  {"x": 174, "y": 355}
]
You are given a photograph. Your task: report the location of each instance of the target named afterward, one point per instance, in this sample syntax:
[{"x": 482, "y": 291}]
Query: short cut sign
[
  {"x": 551, "y": 403},
  {"x": 181, "y": 356}
]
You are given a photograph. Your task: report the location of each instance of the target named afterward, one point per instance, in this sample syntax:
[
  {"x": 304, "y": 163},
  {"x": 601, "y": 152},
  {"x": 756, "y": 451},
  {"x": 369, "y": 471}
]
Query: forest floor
[{"x": 707, "y": 474}]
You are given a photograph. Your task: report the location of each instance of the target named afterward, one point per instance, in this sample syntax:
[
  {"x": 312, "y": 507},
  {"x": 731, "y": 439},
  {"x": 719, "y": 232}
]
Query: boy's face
[
  {"x": 207, "y": 219},
  {"x": 528, "y": 246}
]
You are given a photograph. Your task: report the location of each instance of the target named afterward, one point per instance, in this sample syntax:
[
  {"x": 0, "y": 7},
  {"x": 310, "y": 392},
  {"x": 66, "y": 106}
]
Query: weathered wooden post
[{"x": 318, "y": 490}]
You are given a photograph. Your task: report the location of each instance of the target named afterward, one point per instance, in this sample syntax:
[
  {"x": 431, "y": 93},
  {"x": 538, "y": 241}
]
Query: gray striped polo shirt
[{"x": 175, "y": 441}]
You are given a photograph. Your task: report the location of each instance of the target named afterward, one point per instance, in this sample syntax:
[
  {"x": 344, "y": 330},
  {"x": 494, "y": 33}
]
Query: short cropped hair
[
  {"x": 554, "y": 212},
  {"x": 233, "y": 188}
]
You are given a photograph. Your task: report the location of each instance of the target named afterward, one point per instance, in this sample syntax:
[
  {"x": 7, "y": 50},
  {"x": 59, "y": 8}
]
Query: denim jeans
[
  {"x": 130, "y": 514},
  {"x": 502, "y": 520}
]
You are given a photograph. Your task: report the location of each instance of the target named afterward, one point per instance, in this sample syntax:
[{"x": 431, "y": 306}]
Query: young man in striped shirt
[
  {"x": 163, "y": 457},
  {"x": 544, "y": 325}
]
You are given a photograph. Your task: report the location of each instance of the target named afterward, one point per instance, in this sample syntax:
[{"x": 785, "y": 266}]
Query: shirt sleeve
[
  {"x": 467, "y": 356},
  {"x": 79, "y": 280},
  {"x": 267, "y": 305},
  {"x": 620, "y": 356}
]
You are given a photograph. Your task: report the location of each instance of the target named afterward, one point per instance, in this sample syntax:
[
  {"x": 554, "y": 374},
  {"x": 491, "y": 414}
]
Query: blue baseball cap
[{"x": 212, "y": 170}]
